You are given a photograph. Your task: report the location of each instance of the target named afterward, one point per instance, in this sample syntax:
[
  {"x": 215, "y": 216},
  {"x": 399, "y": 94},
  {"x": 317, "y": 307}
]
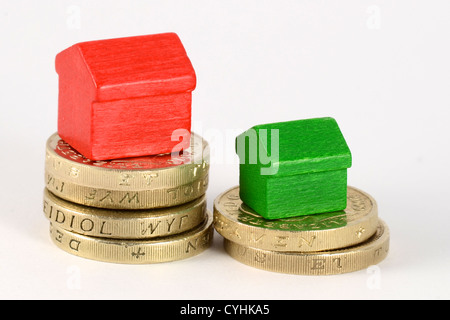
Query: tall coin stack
[
  {"x": 138, "y": 210},
  {"x": 120, "y": 185}
]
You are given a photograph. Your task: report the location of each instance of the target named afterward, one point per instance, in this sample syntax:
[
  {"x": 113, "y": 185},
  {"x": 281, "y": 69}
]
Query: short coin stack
[
  {"x": 319, "y": 244},
  {"x": 293, "y": 211},
  {"x": 140, "y": 210}
]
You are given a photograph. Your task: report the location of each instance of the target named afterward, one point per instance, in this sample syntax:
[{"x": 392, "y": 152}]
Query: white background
[{"x": 381, "y": 68}]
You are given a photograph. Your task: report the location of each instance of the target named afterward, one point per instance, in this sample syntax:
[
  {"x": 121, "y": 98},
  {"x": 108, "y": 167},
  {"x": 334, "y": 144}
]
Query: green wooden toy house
[{"x": 293, "y": 168}]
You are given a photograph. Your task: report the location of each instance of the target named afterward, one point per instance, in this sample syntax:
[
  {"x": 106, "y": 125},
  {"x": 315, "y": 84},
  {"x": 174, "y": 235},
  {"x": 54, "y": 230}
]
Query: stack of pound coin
[
  {"x": 137, "y": 210},
  {"x": 318, "y": 244}
]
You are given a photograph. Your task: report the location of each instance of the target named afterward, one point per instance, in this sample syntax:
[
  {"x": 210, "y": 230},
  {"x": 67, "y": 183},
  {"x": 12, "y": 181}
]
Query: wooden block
[
  {"x": 124, "y": 97},
  {"x": 293, "y": 168}
]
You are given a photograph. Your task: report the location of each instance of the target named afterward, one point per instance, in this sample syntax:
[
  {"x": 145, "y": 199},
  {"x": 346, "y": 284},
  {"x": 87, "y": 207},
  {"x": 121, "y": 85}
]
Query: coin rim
[
  {"x": 299, "y": 262},
  {"x": 164, "y": 249},
  {"x": 110, "y": 178},
  {"x": 125, "y": 223},
  {"x": 148, "y": 199},
  {"x": 327, "y": 239}
]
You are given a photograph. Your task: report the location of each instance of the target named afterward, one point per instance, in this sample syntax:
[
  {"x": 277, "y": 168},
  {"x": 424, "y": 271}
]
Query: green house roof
[{"x": 309, "y": 145}]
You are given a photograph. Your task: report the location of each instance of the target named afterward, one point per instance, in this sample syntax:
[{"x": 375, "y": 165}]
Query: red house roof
[{"x": 131, "y": 67}]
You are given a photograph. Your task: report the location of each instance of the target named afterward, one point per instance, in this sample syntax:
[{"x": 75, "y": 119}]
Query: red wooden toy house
[{"x": 125, "y": 97}]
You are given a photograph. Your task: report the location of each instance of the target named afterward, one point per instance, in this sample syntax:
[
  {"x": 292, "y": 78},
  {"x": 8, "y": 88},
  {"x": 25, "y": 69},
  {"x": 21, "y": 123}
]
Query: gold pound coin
[
  {"x": 238, "y": 223},
  {"x": 134, "y": 183},
  {"x": 123, "y": 224},
  {"x": 364, "y": 255},
  {"x": 163, "y": 249},
  {"x": 127, "y": 199}
]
